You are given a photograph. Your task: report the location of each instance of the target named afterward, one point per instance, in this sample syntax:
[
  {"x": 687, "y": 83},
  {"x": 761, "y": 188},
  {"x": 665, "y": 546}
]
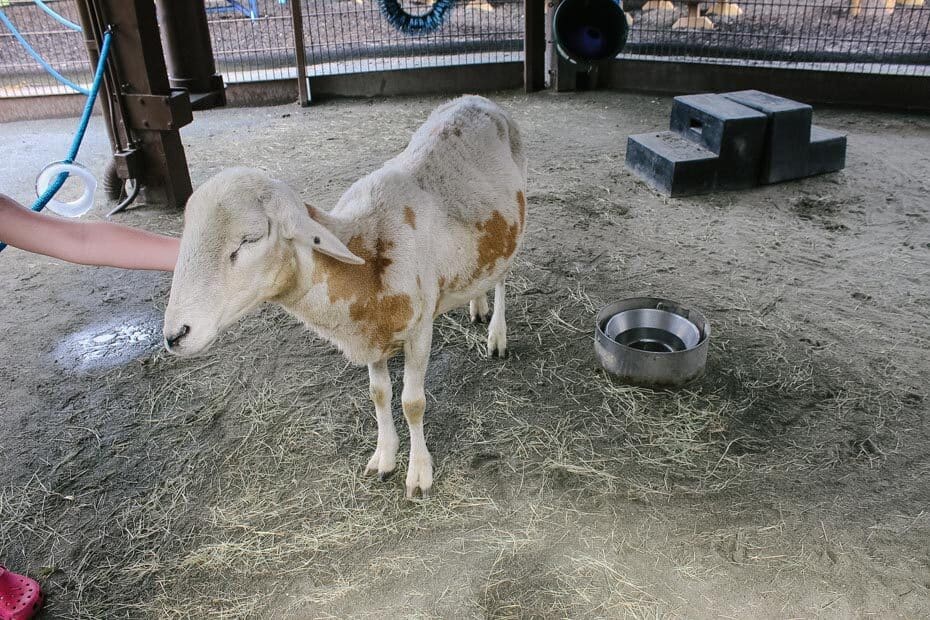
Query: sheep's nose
[{"x": 173, "y": 341}]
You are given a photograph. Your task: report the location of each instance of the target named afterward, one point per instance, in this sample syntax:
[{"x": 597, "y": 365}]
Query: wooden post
[
  {"x": 534, "y": 45},
  {"x": 300, "y": 52},
  {"x": 146, "y": 113}
]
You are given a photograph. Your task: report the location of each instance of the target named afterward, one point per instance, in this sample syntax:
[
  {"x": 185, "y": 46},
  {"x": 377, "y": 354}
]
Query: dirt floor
[{"x": 793, "y": 480}]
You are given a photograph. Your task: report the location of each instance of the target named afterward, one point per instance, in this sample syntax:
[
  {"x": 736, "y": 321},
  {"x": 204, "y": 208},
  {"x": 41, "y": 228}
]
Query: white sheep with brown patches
[{"x": 435, "y": 228}]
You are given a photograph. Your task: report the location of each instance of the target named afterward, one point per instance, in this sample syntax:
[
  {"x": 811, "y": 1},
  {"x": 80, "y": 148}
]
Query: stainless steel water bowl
[{"x": 651, "y": 341}]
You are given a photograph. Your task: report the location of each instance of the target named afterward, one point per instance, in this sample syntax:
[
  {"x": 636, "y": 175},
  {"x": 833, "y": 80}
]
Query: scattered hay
[{"x": 244, "y": 466}]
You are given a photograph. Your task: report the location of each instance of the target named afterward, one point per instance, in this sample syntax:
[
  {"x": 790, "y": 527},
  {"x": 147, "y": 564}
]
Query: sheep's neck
[
  {"x": 318, "y": 282},
  {"x": 347, "y": 303}
]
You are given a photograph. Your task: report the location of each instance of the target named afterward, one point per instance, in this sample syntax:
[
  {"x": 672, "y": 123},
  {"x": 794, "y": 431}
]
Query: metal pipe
[{"x": 188, "y": 50}]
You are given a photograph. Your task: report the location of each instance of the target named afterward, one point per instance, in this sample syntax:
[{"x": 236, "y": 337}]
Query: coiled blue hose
[
  {"x": 415, "y": 24},
  {"x": 49, "y": 193}
]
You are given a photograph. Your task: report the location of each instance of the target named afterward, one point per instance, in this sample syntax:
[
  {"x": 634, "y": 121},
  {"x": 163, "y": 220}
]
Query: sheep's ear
[
  {"x": 312, "y": 235},
  {"x": 305, "y": 231}
]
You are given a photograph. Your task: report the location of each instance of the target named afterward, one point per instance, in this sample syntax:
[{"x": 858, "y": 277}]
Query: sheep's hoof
[
  {"x": 411, "y": 493},
  {"x": 494, "y": 351},
  {"x": 382, "y": 475},
  {"x": 419, "y": 476},
  {"x": 477, "y": 319}
]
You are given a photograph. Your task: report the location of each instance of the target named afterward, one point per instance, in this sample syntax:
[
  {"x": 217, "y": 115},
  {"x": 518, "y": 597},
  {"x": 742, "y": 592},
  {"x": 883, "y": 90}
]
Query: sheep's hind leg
[
  {"x": 413, "y": 398},
  {"x": 497, "y": 330},
  {"x": 478, "y": 310},
  {"x": 384, "y": 460}
]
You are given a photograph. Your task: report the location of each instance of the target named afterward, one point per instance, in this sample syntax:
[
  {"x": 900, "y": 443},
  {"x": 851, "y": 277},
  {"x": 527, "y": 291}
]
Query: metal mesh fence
[
  {"x": 869, "y": 36},
  {"x": 254, "y": 39},
  {"x": 348, "y": 36},
  {"x": 63, "y": 49}
]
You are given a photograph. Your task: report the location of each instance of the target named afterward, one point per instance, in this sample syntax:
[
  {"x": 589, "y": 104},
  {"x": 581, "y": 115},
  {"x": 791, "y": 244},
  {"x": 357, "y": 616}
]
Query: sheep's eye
[{"x": 235, "y": 254}]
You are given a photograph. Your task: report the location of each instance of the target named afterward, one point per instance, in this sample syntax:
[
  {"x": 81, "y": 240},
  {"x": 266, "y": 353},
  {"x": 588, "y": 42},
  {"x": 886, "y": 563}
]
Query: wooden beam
[
  {"x": 534, "y": 45},
  {"x": 136, "y": 66},
  {"x": 300, "y": 51}
]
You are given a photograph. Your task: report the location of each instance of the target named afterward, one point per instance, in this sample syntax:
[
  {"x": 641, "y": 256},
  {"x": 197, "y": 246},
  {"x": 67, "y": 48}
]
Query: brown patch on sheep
[
  {"x": 498, "y": 240},
  {"x": 521, "y": 202},
  {"x": 410, "y": 217},
  {"x": 379, "y": 315},
  {"x": 444, "y": 131},
  {"x": 379, "y": 396},
  {"x": 413, "y": 410}
]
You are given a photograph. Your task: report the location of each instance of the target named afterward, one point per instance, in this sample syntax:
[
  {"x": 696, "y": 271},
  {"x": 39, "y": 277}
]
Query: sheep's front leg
[
  {"x": 384, "y": 460},
  {"x": 497, "y": 330},
  {"x": 413, "y": 398}
]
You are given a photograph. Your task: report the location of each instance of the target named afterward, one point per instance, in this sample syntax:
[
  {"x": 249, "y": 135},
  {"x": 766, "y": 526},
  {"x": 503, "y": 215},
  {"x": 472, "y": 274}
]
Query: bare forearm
[
  {"x": 112, "y": 245},
  {"x": 86, "y": 243}
]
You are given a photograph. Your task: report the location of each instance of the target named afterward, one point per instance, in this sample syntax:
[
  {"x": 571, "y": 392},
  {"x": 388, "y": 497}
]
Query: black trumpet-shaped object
[{"x": 589, "y": 31}]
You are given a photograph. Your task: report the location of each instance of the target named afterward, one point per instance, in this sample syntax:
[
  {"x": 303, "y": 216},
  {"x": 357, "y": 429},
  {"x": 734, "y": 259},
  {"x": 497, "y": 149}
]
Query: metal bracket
[
  {"x": 129, "y": 163},
  {"x": 158, "y": 112}
]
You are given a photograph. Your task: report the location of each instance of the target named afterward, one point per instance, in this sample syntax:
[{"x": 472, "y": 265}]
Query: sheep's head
[{"x": 243, "y": 234}]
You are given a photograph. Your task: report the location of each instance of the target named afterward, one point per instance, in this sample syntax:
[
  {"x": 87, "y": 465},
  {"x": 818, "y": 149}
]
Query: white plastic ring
[{"x": 75, "y": 208}]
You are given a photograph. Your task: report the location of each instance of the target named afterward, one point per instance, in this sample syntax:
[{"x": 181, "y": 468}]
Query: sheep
[{"x": 434, "y": 229}]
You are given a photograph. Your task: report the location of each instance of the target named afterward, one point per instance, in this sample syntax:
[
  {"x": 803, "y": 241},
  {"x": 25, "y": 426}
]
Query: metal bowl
[{"x": 651, "y": 341}]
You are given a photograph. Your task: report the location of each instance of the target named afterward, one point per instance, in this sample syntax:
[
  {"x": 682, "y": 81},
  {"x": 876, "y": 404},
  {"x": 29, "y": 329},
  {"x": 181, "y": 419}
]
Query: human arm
[{"x": 86, "y": 243}]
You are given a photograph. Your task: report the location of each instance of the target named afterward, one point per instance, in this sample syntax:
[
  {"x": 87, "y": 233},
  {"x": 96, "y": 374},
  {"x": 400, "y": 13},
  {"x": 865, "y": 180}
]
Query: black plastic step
[
  {"x": 672, "y": 164},
  {"x": 785, "y": 155},
  {"x": 734, "y": 132},
  {"x": 827, "y": 151}
]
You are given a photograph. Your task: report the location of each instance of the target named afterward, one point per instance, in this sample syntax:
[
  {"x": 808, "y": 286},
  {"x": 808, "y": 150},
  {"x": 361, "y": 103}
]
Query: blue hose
[
  {"x": 67, "y": 23},
  {"x": 52, "y": 189},
  {"x": 6, "y": 21},
  {"x": 415, "y": 24}
]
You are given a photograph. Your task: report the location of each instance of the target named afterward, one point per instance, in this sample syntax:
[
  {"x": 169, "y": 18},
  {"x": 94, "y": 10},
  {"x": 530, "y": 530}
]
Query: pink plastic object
[{"x": 20, "y": 597}]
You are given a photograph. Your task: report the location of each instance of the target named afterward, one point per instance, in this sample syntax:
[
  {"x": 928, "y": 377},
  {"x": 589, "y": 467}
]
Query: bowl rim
[{"x": 696, "y": 317}]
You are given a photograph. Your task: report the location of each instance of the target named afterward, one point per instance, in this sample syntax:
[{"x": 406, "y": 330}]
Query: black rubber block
[
  {"x": 827, "y": 151},
  {"x": 786, "y": 152},
  {"x": 672, "y": 164},
  {"x": 734, "y": 132}
]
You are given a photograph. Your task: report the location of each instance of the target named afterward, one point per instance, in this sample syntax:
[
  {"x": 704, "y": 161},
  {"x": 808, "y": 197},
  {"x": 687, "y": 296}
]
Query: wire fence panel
[
  {"x": 253, "y": 40},
  {"x": 351, "y": 36},
  {"x": 63, "y": 49},
  {"x": 862, "y": 36}
]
